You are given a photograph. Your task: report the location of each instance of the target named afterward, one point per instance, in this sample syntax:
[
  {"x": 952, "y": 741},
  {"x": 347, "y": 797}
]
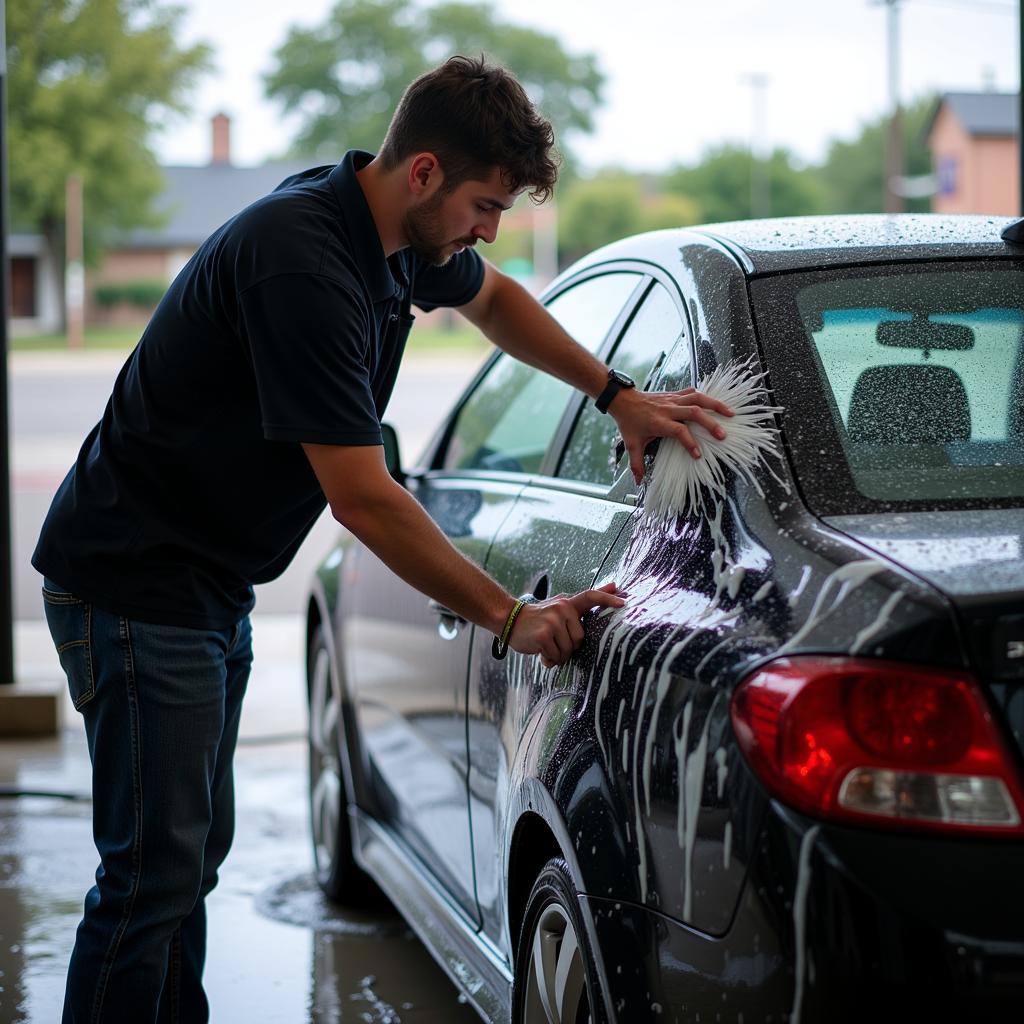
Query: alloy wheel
[
  {"x": 324, "y": 762},
  {"x": 556, "y": 990}
]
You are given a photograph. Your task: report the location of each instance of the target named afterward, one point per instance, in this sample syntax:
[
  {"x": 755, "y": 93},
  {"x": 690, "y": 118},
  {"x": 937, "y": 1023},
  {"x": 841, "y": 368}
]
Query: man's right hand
[{"x": 553, "y": 628}]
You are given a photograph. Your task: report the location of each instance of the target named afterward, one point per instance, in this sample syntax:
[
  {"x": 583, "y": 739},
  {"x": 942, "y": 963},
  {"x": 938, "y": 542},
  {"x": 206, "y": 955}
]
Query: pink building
[{"x": 975, "y": 154}]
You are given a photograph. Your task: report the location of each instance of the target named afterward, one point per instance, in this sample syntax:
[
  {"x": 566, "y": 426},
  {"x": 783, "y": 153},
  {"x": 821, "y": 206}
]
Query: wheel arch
[
  {"x": 314, "y": 619},
  {"x": 533, "y": 845},
  {"x": 539, "y": 835},
  {"x": 320, "y": 615}
]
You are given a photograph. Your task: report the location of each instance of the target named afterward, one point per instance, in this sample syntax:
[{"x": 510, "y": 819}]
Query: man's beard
[{"x": 424, "y": 231}]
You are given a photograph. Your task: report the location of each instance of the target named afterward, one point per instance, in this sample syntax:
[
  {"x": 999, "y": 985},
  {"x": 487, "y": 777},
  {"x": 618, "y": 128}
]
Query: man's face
[{"x": 444, "y": 223}]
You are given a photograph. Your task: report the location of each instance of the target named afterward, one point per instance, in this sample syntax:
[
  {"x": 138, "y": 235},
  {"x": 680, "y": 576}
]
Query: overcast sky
[{"x": 676, "y": 69}]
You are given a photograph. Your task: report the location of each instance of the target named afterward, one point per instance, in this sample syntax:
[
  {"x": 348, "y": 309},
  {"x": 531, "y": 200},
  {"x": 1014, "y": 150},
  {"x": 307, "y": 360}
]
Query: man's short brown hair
[{"x": 474, "y": 116}]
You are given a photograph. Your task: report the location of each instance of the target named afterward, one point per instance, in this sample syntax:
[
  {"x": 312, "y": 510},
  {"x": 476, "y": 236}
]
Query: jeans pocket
[{"x": 70, "y": 622}]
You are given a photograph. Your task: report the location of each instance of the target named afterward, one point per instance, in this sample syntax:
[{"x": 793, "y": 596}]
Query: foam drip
[
  {"x": 679, "y": 484},
  {"x": 803, "y": 882}
]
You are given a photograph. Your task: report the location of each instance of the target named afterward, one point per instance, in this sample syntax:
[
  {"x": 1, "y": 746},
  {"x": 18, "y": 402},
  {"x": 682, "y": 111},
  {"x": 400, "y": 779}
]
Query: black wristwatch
[{"x": 616, "y": 382}]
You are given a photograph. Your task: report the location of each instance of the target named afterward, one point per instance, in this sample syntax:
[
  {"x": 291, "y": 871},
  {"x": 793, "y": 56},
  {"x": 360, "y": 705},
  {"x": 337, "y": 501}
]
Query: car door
[
  {"x": 406, "y": 656},
  {"x": 554, "y": 541}
]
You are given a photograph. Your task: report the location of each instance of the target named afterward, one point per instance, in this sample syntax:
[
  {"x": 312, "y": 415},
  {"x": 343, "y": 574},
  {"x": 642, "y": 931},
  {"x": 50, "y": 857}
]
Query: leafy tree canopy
[
  {"x": 344, "y": 78},
  {"x": 614, "y": 204},
  {"x": 89, "y": 81},
  {"x": 721, "y": 185}
]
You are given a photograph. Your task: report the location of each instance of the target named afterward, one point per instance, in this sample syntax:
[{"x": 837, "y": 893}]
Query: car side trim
[{"x": 466, "y": 956}]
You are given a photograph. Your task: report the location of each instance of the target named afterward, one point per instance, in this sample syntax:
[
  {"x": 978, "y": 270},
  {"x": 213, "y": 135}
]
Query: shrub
[{"x": 134, "y": 293}]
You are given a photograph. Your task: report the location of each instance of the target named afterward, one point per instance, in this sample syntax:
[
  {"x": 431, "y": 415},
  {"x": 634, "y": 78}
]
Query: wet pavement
[{"x": 278, "y": 952}]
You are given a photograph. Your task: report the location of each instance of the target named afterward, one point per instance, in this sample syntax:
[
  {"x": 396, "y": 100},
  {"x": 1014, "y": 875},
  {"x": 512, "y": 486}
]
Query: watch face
[{"x": 623, "y": 379}]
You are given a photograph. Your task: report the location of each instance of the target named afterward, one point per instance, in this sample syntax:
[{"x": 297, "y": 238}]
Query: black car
[{"x": 784, "y": 783}]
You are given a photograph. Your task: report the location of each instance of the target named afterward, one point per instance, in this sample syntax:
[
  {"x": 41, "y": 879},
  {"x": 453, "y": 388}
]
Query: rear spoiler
[{"x": 1013, "y": 232}]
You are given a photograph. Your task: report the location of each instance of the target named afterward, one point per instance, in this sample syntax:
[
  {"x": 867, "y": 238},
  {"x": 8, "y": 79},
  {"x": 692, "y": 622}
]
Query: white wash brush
[{"x": 679, "y": 484}]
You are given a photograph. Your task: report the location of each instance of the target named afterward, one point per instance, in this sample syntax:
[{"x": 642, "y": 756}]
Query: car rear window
[{"x": 902, "y": 385}]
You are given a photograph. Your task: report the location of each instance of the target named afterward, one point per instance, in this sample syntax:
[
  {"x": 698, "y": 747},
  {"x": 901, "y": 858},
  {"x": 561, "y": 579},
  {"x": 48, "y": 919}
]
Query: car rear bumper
[{"x": 872, "y": 927}]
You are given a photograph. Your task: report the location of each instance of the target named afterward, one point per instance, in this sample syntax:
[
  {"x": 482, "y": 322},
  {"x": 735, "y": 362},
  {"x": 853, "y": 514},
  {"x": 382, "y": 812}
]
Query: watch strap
[{"x": 612, "y": 388}]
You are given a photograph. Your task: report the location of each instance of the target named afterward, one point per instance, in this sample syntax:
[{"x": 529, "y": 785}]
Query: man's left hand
[{"x": 643, "y": 416}]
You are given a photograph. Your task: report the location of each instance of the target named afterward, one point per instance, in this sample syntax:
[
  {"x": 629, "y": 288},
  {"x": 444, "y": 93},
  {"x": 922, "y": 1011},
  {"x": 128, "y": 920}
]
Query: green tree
[
  {"x": 89, "y": 81},
  {"x": 597, "y": 211},
  {"x": 345, "y": 77},
  {"x": 853, "y": 175},
  {"x": 614, "y": 204},
  {"x": 721, "y": 185}
]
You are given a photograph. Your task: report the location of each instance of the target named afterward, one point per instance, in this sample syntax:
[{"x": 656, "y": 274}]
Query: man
[{"x": 255, "y": 393}]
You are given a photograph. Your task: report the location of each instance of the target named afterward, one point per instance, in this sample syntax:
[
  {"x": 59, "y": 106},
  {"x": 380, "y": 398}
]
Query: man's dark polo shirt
[{"x": 286, "y": 326}]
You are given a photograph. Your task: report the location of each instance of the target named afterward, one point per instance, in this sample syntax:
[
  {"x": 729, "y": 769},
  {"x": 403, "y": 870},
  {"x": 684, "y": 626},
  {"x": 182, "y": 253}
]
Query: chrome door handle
[{"x": 449, "y": 621}]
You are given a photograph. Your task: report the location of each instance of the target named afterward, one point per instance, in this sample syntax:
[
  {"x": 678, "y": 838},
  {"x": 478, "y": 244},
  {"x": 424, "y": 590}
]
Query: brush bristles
[{"x": 679, "y": 484}]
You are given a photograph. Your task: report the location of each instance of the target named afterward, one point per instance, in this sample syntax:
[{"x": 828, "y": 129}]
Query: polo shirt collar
[{"x": 378, "y": 272}]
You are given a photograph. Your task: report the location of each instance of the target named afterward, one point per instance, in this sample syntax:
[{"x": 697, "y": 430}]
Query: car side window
[
  {"x": 508, "y": 422},
  {"x": 650, "y": 336}
]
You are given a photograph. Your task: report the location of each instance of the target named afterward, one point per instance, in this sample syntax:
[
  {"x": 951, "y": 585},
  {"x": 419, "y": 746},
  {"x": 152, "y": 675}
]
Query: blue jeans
[{"x": 161, "y": 706}]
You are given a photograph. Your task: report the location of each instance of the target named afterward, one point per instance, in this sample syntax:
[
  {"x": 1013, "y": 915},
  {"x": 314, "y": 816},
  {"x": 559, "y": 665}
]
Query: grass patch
[
  {"x": 443, "y": 339},
  {"x": 96, "y": 338},
  {"x": 422, "y": 340}
]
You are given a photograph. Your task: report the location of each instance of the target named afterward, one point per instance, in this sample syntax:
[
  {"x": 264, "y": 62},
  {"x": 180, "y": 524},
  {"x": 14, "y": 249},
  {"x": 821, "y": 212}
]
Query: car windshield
[{"x": 903, "y": 386}]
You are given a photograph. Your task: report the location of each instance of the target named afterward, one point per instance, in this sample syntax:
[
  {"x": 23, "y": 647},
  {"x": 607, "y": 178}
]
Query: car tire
[
  {"x": 337, "y": 874},
  {"x": 555, "y": 980}
]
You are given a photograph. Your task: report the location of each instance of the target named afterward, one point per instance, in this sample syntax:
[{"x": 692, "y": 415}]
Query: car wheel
[
  {"x": 337, "y": 873},
  {"x": 554, "y": 980}
]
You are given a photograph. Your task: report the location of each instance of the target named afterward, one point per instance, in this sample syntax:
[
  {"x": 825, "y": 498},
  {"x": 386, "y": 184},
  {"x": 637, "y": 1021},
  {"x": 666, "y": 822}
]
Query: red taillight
[
  {"x": 859, "y": 740},
  {"x": 916, "y": 720}
]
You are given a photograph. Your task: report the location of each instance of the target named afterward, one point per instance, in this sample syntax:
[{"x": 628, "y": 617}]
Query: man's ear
[{"x": 425, "y": 174}]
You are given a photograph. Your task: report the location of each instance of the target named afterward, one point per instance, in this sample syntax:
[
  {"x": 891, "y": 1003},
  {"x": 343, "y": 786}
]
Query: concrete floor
[{"x": 277, "y": 951}]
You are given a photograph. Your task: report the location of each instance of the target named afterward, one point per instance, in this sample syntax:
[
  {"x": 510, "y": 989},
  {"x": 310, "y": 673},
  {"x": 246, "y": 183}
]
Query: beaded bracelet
[{"x": 499, "y": 646}]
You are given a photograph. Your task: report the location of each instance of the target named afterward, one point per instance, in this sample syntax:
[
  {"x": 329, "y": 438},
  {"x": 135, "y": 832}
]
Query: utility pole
[
  {"x": 894, "y": 135},
  {"x": 760, "y": 183},
  {"x": 74, "y": 268},
  {"x": 545, "y": 243},
  {"x": 6, "y": 576},
  {"x": 1020, "y": 102}
]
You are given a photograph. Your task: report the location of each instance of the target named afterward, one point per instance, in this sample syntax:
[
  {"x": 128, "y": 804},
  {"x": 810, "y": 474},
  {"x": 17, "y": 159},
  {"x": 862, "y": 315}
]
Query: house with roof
[
  {"x": 196, "y": 200},
  {"x": 137, "y": 268},
  {"x": 975, "y": 155}
]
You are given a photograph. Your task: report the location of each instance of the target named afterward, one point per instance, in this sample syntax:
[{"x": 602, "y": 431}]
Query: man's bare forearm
[
  {"x": 523, "y": 328},
  {"x": 395, "y": 527}
]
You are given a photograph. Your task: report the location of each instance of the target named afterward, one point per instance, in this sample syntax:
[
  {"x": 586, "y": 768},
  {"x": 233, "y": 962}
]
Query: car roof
[{"x": 780, "y": 244}]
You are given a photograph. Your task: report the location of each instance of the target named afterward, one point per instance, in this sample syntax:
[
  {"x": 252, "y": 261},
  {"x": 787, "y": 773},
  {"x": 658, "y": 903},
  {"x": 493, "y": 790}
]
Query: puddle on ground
[
  {"x": 278, "y": 953},
  {"x": 381, "y": 981},
  {"x": 299, "y": 901},
  {"x": 405, "y": 984}
]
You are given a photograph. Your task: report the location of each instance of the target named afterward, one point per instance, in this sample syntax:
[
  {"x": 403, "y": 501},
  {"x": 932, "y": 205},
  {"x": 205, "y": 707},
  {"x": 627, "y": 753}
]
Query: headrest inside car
[{"x": 909, "y": 404}]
